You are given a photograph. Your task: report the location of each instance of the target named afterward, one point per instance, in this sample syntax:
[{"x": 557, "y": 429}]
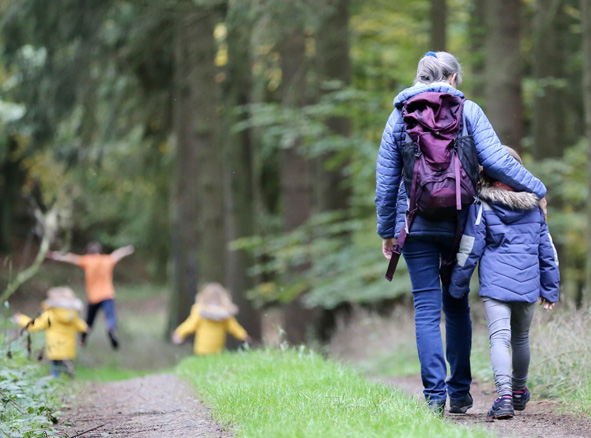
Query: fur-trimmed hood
[
  {"x": 513, "y": 200},
  {"x": 508, "y": 205},
  {"x": 215, "y": 312}
]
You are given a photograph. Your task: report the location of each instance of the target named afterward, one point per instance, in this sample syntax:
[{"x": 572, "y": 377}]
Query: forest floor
[
  {"x": 154, "y": 406},
  {"x": 162, "y": 405},
  {"x": 540, "y": 419}
]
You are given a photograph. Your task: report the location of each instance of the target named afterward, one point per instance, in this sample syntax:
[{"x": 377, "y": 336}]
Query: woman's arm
[
  {"x": 388, "y": 174},
  {"x": 495, "y": 159}
]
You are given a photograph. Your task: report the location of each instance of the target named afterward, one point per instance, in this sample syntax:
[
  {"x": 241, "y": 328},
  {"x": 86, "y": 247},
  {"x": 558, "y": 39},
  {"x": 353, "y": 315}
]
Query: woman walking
[{"x": 431, "y": 241}]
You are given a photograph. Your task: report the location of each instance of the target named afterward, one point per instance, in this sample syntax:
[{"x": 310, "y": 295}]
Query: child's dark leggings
[{"x": 508, "y": 326}]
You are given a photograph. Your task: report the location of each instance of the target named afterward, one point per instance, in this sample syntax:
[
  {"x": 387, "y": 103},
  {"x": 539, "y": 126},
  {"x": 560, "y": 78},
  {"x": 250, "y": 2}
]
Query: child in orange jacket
[
  {"x": 212, "y": 316},
  {"x": 61, "y": 323}
]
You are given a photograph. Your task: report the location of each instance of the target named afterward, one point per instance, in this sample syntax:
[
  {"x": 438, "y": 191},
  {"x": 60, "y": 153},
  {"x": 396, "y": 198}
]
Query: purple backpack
[{"x": 440, "y": 165}]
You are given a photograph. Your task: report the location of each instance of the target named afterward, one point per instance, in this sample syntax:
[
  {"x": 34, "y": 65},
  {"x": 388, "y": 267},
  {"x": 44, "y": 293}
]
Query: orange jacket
[{"x": 98, "y": 273}]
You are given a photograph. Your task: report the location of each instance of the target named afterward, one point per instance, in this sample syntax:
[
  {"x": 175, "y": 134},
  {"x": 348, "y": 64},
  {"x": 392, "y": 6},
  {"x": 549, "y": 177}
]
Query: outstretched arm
[
  {"x": 66, "y": 258},
  {"x": 118, "y": 254}
]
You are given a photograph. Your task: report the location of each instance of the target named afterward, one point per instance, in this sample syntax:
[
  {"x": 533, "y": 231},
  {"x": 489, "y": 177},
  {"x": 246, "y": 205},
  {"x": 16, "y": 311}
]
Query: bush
[{"x": 30, "y": 404}]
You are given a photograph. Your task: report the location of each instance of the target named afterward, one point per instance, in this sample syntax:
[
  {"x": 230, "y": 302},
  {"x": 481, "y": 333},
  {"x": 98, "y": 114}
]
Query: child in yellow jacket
[
  {"x": 211, "y": 317},
  {"x": 61, "y": 323}
]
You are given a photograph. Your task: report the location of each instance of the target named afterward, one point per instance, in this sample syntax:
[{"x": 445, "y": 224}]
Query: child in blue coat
[{"x": 507, "y": 233}]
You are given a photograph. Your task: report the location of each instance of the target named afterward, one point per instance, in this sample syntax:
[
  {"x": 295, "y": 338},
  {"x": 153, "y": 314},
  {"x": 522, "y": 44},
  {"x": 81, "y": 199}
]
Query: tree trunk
[
  {"x": 438, "y": 17},
  {"x": 239, "y": 177},
  {"x": 549, "y": 56},
  {"x": 196, "y": 204},
  {"x": 504, "y": 70},
  {"x": 586, "y": 22},
  {"x": 332, "y": 188},
  {"x": 477, "y": 33},
  {"x": 333, "y": 63},
  {"x": 10, "y": 185},
  {"x": 296, "y": 190}
]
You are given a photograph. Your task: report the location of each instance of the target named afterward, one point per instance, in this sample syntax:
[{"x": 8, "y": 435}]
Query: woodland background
[{"x": 235, "y": 141}]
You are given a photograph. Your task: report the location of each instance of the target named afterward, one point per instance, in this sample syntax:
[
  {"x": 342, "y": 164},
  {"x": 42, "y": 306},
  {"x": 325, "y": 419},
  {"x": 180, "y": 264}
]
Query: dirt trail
[
  {"x": 154, "y": 406},
  {"x": 539, "y": 420}
]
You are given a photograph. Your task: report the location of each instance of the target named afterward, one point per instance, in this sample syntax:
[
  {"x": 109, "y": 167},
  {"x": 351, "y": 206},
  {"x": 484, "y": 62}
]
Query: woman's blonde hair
[{"x": 214, "y": 294}]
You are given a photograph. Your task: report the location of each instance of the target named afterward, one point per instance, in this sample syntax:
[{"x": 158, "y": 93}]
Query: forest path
[
  {"x": 154, "y": 406},
  {"x": 538, "y": 420}
]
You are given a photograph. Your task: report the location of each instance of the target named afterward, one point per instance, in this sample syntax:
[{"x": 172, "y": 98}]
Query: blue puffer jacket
[
  {"x": 494, "y": 158},
  {"x": 506, "y": 231}
]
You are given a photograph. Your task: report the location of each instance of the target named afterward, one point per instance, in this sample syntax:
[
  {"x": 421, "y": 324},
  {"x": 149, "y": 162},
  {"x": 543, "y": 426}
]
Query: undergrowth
[
  {"x": 288, "y": 393},
  {"x": 30, "y": 401}
]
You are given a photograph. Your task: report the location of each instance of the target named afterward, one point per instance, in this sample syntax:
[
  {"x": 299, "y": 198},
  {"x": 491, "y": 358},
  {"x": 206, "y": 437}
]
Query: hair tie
[{"x": 433, "y": 54}]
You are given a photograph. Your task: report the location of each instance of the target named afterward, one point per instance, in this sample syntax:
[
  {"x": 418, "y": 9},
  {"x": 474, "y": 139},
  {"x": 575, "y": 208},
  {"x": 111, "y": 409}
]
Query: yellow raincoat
[
  {"x": 61, "y": 326},
  {"x": 210, "y": 323}
]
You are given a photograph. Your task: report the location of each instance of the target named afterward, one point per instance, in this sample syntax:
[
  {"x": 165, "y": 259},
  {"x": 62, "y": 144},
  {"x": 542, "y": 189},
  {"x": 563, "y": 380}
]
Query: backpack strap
[{"x": 410, "y": 215}]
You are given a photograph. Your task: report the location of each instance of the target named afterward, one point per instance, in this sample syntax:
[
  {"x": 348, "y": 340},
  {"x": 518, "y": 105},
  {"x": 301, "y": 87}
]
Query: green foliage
[
  {"x": 291, "y": 393},
  {"x": 30, "y": 402},
  {"x": 567, "y": 183},
  {"x": 343, "y": 259}
]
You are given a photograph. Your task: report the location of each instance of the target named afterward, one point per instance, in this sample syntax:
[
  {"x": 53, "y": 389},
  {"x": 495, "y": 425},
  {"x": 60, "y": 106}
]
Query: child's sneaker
[
  {"x": 520, "y": 399},
  {"x": 502, "y": 409}
]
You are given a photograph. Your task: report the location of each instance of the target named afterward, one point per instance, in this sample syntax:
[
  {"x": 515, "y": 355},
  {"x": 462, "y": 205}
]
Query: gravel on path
[{"x": 154, "y": 406}]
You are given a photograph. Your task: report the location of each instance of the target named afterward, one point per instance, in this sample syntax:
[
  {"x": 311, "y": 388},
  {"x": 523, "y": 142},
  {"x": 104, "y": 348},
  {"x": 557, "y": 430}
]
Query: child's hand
[
  {"x": 547, "y": 304},
  {"x": 176, "y": 339},
  {"x": 16, "y": 317},
  {"x": 248, "y": 340}
]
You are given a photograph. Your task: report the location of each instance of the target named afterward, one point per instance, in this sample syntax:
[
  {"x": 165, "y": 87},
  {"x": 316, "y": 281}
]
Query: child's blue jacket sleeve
[
  {"x": 549, "y": 273},
  {"x": 471, "y": 249}
]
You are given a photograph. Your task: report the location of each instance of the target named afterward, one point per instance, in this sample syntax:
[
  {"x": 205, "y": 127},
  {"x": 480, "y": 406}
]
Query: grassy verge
[{"x": 299, "y": 394}]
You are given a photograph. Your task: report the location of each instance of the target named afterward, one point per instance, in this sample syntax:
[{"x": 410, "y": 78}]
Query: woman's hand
[
  {"x": 544, "y": 207},
  {"x": 387, "y": 245},
  {"x": 547, "y": 304}
]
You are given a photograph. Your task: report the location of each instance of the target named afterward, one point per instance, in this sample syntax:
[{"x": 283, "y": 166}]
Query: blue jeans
[
  {"x": 59, "y": 367},
  {"x": 109, "y": 309},
  {"x": 423, "y": 256}
]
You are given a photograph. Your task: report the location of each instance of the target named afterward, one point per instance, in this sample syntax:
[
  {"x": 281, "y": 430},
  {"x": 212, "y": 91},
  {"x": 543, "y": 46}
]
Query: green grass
[
  {"x": 272, "y": 393},
  {"x": 107, "y": 373}
]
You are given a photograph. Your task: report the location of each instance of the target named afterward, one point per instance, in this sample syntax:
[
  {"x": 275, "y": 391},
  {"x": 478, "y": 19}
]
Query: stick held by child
[{"x": 61, "y": 323}]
